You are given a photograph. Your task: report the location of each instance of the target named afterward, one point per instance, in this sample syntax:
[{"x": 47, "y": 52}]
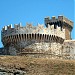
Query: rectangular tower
[{"x": 62, "y": 22}]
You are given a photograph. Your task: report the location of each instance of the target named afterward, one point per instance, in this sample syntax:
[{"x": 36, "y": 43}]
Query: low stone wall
[{"x": 4, "y": 71}]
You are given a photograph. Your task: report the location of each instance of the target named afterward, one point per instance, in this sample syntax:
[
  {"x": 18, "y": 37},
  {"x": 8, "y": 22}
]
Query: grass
[{"x": 38, "y": 66}]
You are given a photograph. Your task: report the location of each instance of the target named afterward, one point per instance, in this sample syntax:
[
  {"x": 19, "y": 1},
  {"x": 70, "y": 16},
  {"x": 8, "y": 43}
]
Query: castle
[{"x": 52, "y": 41}]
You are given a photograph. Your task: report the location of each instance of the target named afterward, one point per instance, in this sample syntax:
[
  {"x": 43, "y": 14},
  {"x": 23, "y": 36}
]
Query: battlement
[
  {"x": 9, "y": 27},
  {"x": 56, "y": 20},
  {"x": 18, "y": 26},
  {"x": 30, "y": 29}
]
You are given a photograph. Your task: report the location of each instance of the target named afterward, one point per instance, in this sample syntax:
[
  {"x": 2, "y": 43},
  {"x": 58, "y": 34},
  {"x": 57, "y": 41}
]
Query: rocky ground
[{"x": 21, "y": 65}]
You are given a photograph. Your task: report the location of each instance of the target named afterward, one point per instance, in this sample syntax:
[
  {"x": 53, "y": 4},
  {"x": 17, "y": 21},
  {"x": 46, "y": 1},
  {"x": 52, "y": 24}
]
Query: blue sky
[{"x": 34, "y": 11}]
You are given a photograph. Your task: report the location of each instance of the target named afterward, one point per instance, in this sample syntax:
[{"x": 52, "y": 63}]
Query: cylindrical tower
[{"x": 30, "y": 39}]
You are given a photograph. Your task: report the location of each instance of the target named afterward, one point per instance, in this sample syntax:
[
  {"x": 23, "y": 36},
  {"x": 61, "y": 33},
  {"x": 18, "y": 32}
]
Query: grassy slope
[{"x": 39, "y": 66}]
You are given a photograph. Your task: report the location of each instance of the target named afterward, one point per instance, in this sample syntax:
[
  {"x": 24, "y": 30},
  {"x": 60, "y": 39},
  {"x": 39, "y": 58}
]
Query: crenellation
[
  {"x": 26, "y": 30},
  {"x": 4, "y": 28},
  {"x": 53, "y": 18},
  {"x": 17, "y": 26},
  {"x": 9, "y": 26},
  {"x": 68, "y": 21},
  {"x": 52, "y": 27},
  {"x": 60, "y": 18},
  {"x": 59, "y": 29}
]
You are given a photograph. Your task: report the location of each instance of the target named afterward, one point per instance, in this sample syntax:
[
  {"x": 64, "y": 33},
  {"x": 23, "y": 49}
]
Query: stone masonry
[
  {"x": 38, "y": 41},
  {"x": 62, "y": 22}
]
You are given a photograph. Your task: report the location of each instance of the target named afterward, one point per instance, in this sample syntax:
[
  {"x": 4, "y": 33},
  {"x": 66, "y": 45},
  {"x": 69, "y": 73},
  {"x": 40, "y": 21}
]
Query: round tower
[{"x": 31, "y": 40}]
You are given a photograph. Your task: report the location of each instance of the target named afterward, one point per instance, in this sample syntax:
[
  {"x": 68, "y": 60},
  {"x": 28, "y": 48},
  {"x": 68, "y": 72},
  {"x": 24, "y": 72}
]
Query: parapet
[
  {"x": 53, "y": 17},
  {"x": 16, "y": 26},
  {"x": 9, "y": 27},
  {"x": 4, "y": 28},
  {"x": 66, "y": 20},
  {"x": 30, "y": 29},
  {"x": 56, "y": 20}
]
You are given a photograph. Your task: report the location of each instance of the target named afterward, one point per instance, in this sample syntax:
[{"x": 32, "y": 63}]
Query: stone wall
[
  {"x": 69, "y": 49},
  {"x": 43, "y": 49},
  {"x": 2, "y": 51},
  {"x": 48, "y": 49},
  {"x": 39, "y": 44}
]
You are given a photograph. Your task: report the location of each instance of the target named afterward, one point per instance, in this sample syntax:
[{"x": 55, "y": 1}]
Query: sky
[{"x": 34, "y": 11}]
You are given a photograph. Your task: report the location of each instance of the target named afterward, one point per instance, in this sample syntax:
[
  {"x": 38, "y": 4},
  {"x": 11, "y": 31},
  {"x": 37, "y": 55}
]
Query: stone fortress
[{"x": 52, "y": 41}]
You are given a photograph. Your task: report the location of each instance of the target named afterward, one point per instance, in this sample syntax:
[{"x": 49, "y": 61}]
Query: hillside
[{"x": 21, "y": 65}]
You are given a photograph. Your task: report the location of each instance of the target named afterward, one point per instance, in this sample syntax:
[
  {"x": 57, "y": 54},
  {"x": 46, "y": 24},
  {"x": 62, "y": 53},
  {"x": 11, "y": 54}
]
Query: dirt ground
[{"x": 38, "y": 66}]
